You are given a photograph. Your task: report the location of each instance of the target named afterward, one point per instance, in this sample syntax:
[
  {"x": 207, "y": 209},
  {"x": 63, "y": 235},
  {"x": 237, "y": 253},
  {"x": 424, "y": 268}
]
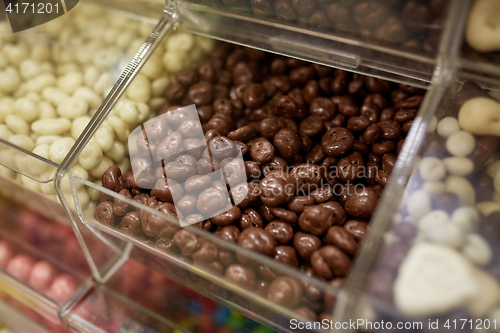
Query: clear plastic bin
[
  {"x": 396, "y": 40},
  {"x": 141, "y": 299},
  {"x": 36, "y": 277},
  {"x": 435, "y": 259},
  {"x": 209, "y": 279},
  {"x": 55, "y": 80}
]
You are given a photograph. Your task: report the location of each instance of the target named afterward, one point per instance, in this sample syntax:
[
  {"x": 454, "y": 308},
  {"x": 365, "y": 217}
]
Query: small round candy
[
  {"x": 477, "y": 250},
  {"x": 460, "y": 143},
  {"x": 458, "y": 166},
  {"x": 418, "y": 204},
  {"x": 466, "y": 217},
  {"x": 432, "y": 169},
  {"x": 446, "y": 233},
  {"x": 447, "y": 126}
]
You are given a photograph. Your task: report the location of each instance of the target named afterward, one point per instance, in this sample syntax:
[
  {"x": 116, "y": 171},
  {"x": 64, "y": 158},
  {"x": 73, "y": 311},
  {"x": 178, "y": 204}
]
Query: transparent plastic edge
[
  {"x": 350, "y": 297},
  {"x": 328, "y": 36},
  {"x": 257, "y": 257},
  {"x": 162, "y": 28},
  {"x": 30, "y": 155},
  {"x": 27, "y": 295}
]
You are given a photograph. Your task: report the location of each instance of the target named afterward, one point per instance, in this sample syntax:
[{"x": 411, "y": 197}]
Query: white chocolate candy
[
  {"x": 483, "y": 27},
  {"x": 56, "y": 126},
  {"x": 40, "y": 52},
  {"x": 29, "y": 69},
  {"x": 6, "y": 108},
  {"x": 91, "y": 76},
  {"x": 39, "y": 83},
  {"x": 153, "y": 68},
  {"x": 172, "y": 60},
  {"x": 156, "y": 103},
  {"x": 446, "y": 233},
  {"x": 91, "y": 207},
  {"x": 37, "y": 167},
  {"x": 460, "y": 143},
  {"x": 486, "y": 208},
  {"x": 480, "y": 116},
  {"x": 159, "y": 86},
  {"x": 104, "y": 137},
  {"x": 101, "y": 168},
  {"x": 17, "y": 125},
  {"x": 458, "y": 166},
  {"x": 72, "y": 107},
  {"x": 466, "y": 217},
  {"x": 89, "y": 96},
  {"x": 60, "y": 148},
  {"x": 70, "y": 81},
  {"x": 78, "y": 125},
  {"x": 462, "y": 188},
  {"x": 434, "y": 187},
  {"x": 117, "y": 153},
  {"x": 433, "y": 218},
  {"x": 9, "y": 80},
  {"x": 477, "y": 250},
  {"x": 119, "y": 127},
  {"x": 418, "y": 204},
  {"x": 144, "y": 112},
  {"x": 47, "y": 111},
  {"x": 26, "y": 109},
  {"x": 30, "y": 183},
  {"x": 140, "y": 89},
  {"x": 16, "y": 53},
  {"x": 22, "y": 141},
  {"x": 94, "y": 194},
  {"x": 128, "y": 112},
  {"x": 54, "y": 95},
  {"x": 90, "y": 156},
  {"x": 432, "y": 169},
  {"x": 5, "y": 132},
  {"x": 34, "y": 97},
  {"x": 493, "y": 168},
  {"x": 433, "y": 279},
  {"x": 180, "y": 41},
  {"x": 76, "y": 171},
  {"x": 48, "y": 139},
  {"x": 432, "y": 124}
]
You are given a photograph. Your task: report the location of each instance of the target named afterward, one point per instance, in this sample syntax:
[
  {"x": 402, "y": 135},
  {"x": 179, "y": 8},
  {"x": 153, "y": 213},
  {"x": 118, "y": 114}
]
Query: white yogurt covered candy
[
  {"x": 477, "y": 250},
  {"x": 480, "y": 115},
  {"x": 51, "y": 86},
  {"x": 483, "y": 26},
  {"x": 434, "y": 279}
]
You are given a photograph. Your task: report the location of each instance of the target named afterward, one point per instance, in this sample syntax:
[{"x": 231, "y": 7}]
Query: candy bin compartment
[
  {"x": 36, "y": 277},
  {"x": 242, "y": 122},
  {"x": 438, "y": 263},
  {"x": 54, "y": 77},
  {"x": 395, "y": 40},
  {"x": 60, "y": 78},
  {"x": 139, "y": 298}
]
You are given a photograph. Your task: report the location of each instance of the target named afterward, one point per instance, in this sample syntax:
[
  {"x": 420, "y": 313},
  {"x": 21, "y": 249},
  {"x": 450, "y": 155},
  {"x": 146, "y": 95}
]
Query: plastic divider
[{"x": 352, "y": 297}]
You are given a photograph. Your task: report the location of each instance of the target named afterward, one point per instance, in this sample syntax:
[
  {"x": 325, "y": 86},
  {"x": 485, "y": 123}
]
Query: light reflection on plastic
[{"x": 172, "y": 148}]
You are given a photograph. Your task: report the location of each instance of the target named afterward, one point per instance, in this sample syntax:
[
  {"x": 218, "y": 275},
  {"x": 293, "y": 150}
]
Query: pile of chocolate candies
[{"x": 331, "y": 136}]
